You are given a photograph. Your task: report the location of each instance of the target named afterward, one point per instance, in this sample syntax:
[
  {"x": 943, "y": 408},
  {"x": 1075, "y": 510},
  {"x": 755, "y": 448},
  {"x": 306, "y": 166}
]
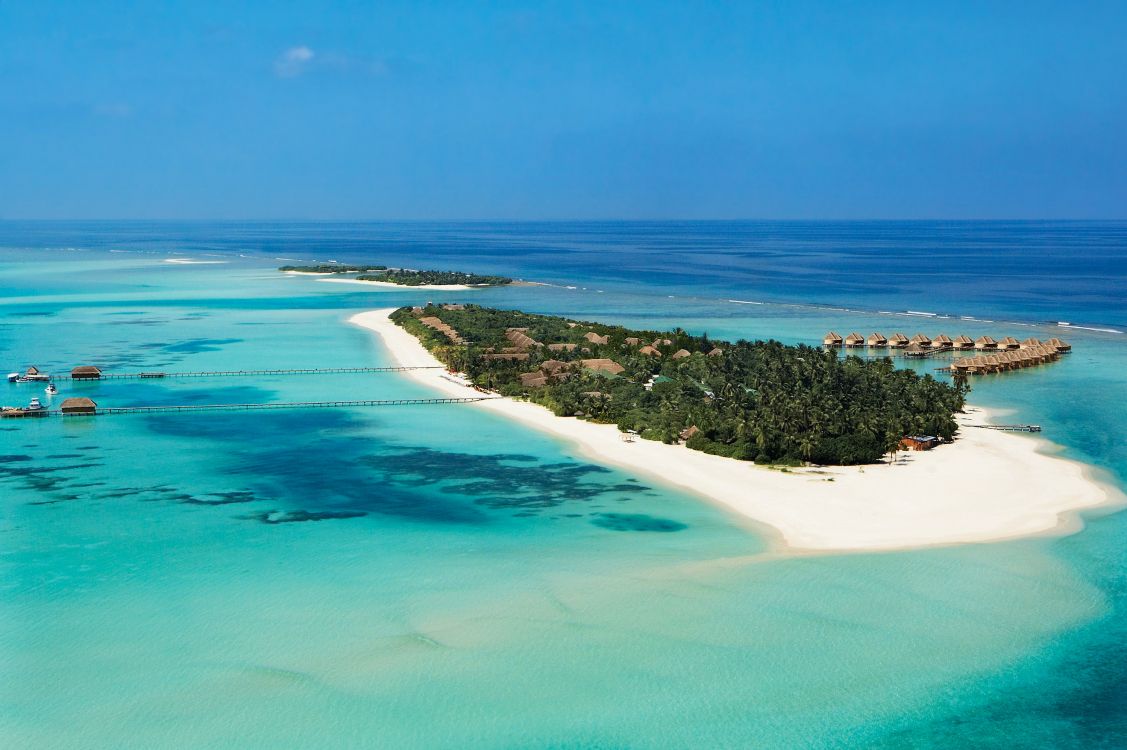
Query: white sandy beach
[
  {"x": 987, "y": 485},
  {"x": 401, "y": 287}
]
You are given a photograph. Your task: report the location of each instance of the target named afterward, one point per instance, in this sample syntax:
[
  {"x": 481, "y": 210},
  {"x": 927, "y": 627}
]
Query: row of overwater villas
[
  {"x": 1005, "y": 360},
  {"x": 921, "y": 342}
]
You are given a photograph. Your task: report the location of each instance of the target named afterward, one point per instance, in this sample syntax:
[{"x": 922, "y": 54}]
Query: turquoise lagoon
[{"x": 438, "y": 577}]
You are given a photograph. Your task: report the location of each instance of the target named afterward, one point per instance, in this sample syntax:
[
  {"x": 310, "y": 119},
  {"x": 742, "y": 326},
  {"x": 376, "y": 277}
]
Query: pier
[
  {"x": 1011, "y": 427},
  {"x": 235, "y": 373},
  {"x": 91, "y": 409}
]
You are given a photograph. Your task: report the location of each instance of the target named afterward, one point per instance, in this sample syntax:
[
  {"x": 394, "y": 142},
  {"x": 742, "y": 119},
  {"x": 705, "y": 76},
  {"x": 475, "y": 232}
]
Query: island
[
  {"x": 756, "y": 401},
  {"x": 911, "y": 499},
  {"x": 383, "y": 275}
]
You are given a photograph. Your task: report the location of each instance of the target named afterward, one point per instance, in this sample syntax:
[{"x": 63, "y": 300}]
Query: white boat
[
  {"x": 13, "y": 377},
  {"x": 35, "y": 405},
  {"x": 51, "y": 390}
]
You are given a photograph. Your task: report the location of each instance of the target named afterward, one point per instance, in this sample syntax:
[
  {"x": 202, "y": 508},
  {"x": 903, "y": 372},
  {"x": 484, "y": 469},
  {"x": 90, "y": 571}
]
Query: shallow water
[{"x": 438, "y": 577}]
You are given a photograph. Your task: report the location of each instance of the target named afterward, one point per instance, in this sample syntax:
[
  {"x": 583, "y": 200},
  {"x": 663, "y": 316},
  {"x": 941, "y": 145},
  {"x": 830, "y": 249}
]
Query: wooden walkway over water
[
  {"x": 1011, "y": 427},
  {"x": 190, "y": 408},
  {"x": 240, "y": 373}
]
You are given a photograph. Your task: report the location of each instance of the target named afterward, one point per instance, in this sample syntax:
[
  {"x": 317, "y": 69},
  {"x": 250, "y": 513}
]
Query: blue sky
[{"x": 506, "y": 110}]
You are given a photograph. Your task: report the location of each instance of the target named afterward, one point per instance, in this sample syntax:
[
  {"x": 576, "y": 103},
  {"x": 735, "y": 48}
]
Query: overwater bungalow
[
  {"x": 876, "y": 340},
  {"x": 1060, "y": 346},
  {"x": 942, "y": 341},
  {"x": 985, "y": 343},
  {"x": 1009, "y": 342},
  {"x": 832, "y": 339},
  {"x": 898, "y": 341},
  {"x": 1030, "y": 343},
  {"x": 916, "y": 349},
  {"x": 81, "y": 405},
  {"x": 85, "y": 372},
  {"x": 963, "y": 342},
  {"x": 854, "y": 340},
  {"x": 920, "y": 339}
]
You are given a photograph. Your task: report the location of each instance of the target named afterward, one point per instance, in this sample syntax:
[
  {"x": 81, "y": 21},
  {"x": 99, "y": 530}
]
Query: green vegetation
[
  {"x": 332, "y": 268},
  {"x": 757, "y": 401},
  {"x": 421, "y": 278}
]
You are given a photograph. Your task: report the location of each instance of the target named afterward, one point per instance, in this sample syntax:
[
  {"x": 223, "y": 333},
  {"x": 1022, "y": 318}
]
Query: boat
[
  {"x": 35, "y": 405},
  {"x": 51, "y": 390}
]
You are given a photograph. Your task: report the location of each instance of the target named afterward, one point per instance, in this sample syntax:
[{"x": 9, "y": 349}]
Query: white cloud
[{"x": 293, "y": 62}]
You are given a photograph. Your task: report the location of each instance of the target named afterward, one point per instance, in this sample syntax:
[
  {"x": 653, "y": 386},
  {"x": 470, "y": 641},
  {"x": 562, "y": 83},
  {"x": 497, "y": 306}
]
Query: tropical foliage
[
  {"x": 408, "y": 277},
  {"x": 752, "y": 400}
]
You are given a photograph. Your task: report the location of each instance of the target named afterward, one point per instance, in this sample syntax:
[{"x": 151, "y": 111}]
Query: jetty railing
[
  {"x": 238, "y": 373},
  {"x": 1011, "y": 427},
  {"x": 182, "y": 408}
]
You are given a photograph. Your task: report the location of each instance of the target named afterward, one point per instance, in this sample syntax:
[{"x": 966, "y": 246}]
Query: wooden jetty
[
  {"x": 187, "y": 408},
  {"x": 1011, "y": 427},
  {"x": 86, "y": 375}
]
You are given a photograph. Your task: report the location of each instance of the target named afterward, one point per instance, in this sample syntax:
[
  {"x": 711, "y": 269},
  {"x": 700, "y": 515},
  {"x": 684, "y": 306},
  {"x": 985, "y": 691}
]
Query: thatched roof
[
  {"x": 854, "y": 339},
  {"x": 942, "y": 339},
  {"x": 681, "y": 354},
  {"x": 85, "y": 371},
  {"x": 633, "y": 340},
  {"x": 603, "y": 365},
  {"x": 512, "y": 356},
  {"x": 1010, "y": 342},
  {"x": 562, "y": 347},
  {"x": 963, "y": 340},
  {"x": 33, "y": 370},
  {"x": 78, "y": 404},
  {"x": 650, "y": 351},
  {"x": 689, "y": 432},
  {"x": 595, "y": 338},
  {"x": 831, "y": 339},
  {"x": 919, "y": 338},
  {"x": 1060, "y": 346},
  {"x": 520, "y": 339},
  {"x": 1030, "y": 342},
  {"x": 533, "y": 379},
  {"x": 553, "y": 366},
  {"x": 716, "y": 352},
  {"x": 915, "y": 348},
  {"x": 876, "y": 339},
  {"x": 985, "y": 342},
  {"x": 453, "y": 307}
]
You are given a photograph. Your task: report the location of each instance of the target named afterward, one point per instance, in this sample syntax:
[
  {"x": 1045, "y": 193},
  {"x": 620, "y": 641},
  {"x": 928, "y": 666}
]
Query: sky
[{"x": 543, "y": 110}]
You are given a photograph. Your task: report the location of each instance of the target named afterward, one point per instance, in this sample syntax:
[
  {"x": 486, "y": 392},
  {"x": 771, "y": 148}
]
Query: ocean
[{"x": 434, "y": 576}]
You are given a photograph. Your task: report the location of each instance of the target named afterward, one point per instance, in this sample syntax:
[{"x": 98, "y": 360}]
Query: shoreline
[{"x": 985, "y": 486}]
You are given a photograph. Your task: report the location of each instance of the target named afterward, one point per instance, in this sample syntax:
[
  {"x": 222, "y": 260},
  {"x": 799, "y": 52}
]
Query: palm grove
[{"x": 753, "y": 400}]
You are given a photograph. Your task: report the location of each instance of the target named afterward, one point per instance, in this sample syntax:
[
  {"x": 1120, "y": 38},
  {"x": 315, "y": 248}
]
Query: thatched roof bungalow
[
  {"x": 1060, "y": 346},
  {"x": 1009, "y": 342},
  {"x": 876, "y": 340},
  {"x": 832, "y": 339},
  {"x": 595, "y": 338},
  {"x": 562, "y": 347},
  {"x": 649, "y": 351},
  {"x": 78, "y": 406},
  {"x": 898, "y": 341},
  {"x": 689, "y": 432},
  {"x": 681, "y": 354},
  {"x": 85, "y": 372},
  {"x": 854, "y": 340},
  {"x": 985, "y": 343},
  {"x": 915, "y": 349},
  {"x": 510, "y": 356},
  {"x": 633, "y": 340},
  {"x": 963, "y": 342},
  {"x": 716, "y": 352},
  {"x": 608, "y": 366},
  {"x": 533, "y": 379},
  {"x": 942, "y": 341},
  {"x": 920, "y": 339},
  {"x": 1030, "y": 343}
]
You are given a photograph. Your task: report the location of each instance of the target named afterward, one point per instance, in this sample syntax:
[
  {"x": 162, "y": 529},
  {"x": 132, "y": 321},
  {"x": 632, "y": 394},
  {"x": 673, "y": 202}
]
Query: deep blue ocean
[{"x": 439, "y": 577}]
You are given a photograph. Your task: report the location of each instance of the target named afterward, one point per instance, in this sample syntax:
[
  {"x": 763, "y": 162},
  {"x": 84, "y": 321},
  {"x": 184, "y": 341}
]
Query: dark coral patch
[{"x": 636, "y": 522}]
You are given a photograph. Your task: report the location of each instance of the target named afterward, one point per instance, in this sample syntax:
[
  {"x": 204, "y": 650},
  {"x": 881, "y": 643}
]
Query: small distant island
[
  {"x": 402, "y": 276},
  {"x": 756, "y": 401}
]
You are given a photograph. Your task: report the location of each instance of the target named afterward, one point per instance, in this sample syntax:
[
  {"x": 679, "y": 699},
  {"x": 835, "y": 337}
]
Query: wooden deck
[
  {"x": 1011, "y": 427},
  {"x": 240, "y": 373}
]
